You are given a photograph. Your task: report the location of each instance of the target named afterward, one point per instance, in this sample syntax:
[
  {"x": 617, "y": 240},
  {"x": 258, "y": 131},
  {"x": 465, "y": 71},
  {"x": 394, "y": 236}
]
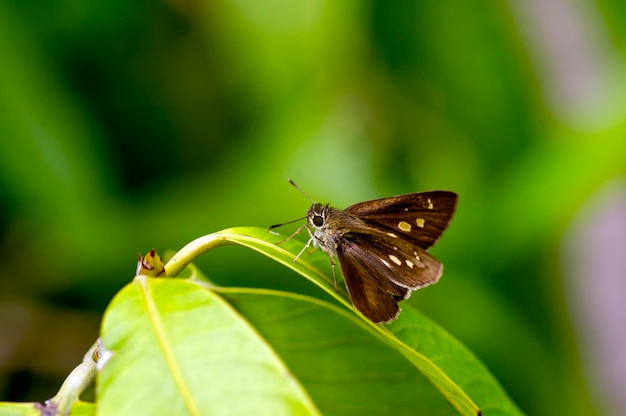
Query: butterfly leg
[
  {"x": 316, "y": 244},
  {"x": 298, "y": 231},
  {"x": 332, "y": 266},
  {"x": 308, "y": 243},
  {"x": 302, "y": 251}
]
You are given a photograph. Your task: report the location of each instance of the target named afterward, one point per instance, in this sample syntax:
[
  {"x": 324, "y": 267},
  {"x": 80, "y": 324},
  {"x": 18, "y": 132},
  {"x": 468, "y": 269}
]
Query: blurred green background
[{"x": 126, "y": 126}]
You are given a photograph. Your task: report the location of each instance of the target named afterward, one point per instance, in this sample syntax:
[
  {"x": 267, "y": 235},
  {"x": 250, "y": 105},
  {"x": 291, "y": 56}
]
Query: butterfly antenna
[
  {"x": 299, "y": 219},
  {"x": 300, "y": 189},
  {"x": 284, "y": 223}
]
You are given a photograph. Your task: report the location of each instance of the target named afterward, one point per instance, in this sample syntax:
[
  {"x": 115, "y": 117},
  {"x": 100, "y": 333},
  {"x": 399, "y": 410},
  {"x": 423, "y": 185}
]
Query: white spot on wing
[
  {"x": 409, "y": 263},
  {"x": 430, "y": 204},
  {"x": 395, "y": 259},
  {"x": 420, "y": 222}
]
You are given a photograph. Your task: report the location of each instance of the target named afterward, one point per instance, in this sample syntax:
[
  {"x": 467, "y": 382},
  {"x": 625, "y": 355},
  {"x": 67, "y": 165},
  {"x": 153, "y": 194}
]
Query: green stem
[
  {"x": 192, "y": 250},
  {"x": 76, "y": 383}
]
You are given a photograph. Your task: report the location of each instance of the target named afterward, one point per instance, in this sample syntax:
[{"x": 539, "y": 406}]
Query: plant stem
[
  {"x": 76, "y": 383},
  {"x": 192, "y": 250}
]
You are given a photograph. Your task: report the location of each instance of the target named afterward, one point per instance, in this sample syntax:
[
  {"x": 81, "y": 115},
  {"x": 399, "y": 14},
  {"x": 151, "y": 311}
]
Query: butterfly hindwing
[
  {"x": 373, "y": 295},
  {"x": 420, "y": 218},
  {"x": 385, "y": 273}
]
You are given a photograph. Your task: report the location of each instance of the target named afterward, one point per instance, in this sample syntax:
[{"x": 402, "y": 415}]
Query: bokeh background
[{"x": 126, "y": 126}]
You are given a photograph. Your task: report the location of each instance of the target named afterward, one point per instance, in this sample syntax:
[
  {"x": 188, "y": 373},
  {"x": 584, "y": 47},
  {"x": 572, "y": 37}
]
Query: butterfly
[{"x": 381, "y": 246}]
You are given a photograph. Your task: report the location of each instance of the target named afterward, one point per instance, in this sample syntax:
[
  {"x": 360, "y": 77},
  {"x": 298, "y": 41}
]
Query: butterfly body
[{"x": 381, "y": 246}]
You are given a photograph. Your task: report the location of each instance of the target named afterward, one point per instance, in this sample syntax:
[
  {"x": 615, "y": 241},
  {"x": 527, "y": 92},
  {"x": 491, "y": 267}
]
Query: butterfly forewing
[{"x": 419, "y": 218}]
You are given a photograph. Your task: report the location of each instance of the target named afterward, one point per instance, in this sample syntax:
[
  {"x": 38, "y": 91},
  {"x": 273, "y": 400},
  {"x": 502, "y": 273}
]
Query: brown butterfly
[{"x": 381, "y": 246}]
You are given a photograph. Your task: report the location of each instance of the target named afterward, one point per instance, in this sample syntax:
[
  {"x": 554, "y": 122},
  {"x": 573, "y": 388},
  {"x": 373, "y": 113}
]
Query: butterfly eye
[{"x": 318, "y": 220}]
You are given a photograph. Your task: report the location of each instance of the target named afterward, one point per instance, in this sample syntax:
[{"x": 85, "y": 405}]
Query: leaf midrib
[{"x": 166, "y": 348}]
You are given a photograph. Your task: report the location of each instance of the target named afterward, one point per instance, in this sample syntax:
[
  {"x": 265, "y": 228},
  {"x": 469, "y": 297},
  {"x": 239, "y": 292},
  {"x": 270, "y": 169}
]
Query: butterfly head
[{"x": 316, "y": 215}]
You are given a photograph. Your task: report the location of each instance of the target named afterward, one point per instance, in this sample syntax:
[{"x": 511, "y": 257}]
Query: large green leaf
[
  {"x": 185, "y": 346},
  {"x": 346, "y": 368},
  {"x": 180, "y": 349},
  {"x": 453, "y": 370}
]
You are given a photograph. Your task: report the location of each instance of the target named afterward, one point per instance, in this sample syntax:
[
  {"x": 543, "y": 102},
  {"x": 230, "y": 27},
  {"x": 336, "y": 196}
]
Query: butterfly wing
[
  {"x": 420, "y": 218},
  {"x": 383, "y": 273}
]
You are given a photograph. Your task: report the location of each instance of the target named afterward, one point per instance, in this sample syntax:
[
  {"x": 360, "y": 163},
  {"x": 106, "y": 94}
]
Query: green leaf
[
  {"x": 449, "y": 366},
  {"x": 81, "y": 408},
  {"x": 453, "y": 359},
  {"x": 346, "y": 368},
  {"x": 179, "y": 349},
  {"x": 19, "y": 409}
]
